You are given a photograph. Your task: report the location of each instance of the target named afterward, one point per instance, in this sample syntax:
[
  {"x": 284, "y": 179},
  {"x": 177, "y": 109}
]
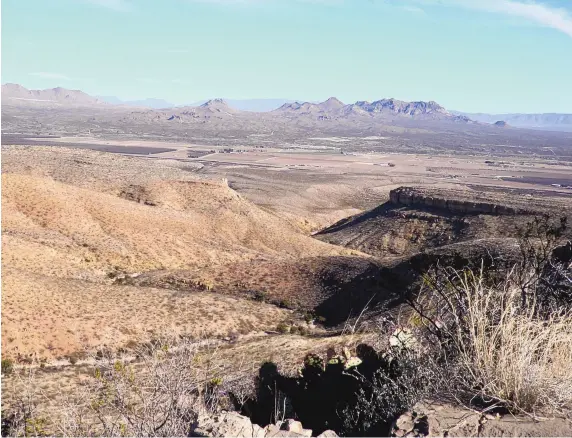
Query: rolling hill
[{"x": 80, "y": 229}]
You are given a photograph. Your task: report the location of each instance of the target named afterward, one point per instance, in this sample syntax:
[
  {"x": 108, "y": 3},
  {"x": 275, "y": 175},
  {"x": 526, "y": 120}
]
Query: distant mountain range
[
  {"x": 59, "y": 95},
  {"x": 388, "y": 108},
  {"x": 547, "y": 121},
  {"x": 146, "y": 103},
  {"x": 331, "y": 109},
  {"x": 254, "y": 105}
]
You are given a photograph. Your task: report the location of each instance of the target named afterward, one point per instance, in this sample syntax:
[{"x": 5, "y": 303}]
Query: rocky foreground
[{"x": 424, "y": 420}]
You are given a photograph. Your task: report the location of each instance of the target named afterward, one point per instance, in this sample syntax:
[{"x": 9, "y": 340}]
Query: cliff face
[
  {"x": 420, "y": 218},
  {"x": 455, "y": 202}
]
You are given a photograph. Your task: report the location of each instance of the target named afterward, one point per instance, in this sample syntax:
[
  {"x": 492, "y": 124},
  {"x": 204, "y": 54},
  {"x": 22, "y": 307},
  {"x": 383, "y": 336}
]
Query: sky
[{"x": 492, "y": 56}]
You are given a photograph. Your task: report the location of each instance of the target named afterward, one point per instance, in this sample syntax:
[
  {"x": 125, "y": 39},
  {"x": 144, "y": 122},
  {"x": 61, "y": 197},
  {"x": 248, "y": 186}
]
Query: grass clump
[{"x": 499, "y": 346}]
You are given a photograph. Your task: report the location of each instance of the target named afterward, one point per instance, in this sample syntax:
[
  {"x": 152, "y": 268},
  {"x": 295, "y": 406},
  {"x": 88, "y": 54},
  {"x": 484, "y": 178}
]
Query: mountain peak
[
  {"x": 396, "y": 106},
  {"x": 331, "y": 104},
  {"x": 215, "y": 103},
  {"x": 217, "y": 106}
]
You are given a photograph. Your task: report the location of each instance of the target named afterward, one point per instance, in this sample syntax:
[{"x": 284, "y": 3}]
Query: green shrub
[
  {"x": 259, "y": 295},
  {"x": 283, "y": 328},
  {"x": 309, "y": 317},
  {"x": 7, "y": 366},
  {"x": 285, "y": 304}
]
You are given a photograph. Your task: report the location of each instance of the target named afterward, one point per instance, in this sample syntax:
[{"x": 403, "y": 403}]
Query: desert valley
[{"x": 280, "y": 236}]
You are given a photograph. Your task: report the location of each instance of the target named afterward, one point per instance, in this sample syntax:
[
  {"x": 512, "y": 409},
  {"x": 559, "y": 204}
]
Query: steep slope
[{"x": 135, "y": 225}]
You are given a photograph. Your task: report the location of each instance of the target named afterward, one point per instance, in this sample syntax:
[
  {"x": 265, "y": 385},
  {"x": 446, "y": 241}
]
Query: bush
[
  {"x": 500, "y": 349},
  {"x": 285, "y": 304},
  {"x": 7, "y": 366},
  {"x": 158, "y": 396},
  {"x": 259, "y": 296},
  {"x": 283, "y": 328}
]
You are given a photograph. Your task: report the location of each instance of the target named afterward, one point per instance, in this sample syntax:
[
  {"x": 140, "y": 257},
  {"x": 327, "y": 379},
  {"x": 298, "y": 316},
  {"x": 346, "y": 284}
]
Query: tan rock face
[
  {"x": 457, "y": 201},
  {"x": 227, "y": 424}
]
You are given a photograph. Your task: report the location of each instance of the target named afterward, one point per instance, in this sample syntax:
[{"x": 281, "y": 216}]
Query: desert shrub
[
  {"x": 20, "y": 413},
  {"x": 283, "y": 328},
  {"x": 285, "y": 304},
  {"x": 309, "y": 317},
  {"x": 497, "y": 346},
  {"x": 159, "y": 395},
  {"x": 500, "y": 335},
  {"x": 259, "y": 296},
  {"x": 544, "y": 270},
  {"x": 7, "y": 366}
]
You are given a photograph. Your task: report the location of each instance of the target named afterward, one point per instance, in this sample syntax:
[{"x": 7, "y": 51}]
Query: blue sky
[{"x": 470, "y": 55}]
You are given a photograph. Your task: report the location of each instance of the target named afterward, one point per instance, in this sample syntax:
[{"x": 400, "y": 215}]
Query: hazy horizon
[{"x": 505, "y": 56}]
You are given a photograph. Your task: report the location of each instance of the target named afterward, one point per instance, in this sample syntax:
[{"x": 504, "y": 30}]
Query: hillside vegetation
[{"x": 76, "y": 222}]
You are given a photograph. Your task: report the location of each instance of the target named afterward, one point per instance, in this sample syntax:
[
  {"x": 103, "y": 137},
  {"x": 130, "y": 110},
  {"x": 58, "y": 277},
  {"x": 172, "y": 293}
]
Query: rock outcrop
[
  {"x": 233, "y": 424},
  {"x": 421, "y": 218},
  {"x": 455, "y": 201}
]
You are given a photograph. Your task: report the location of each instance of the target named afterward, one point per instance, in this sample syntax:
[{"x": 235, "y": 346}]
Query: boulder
[
  {"x": 227, "y": 424},
  {"x": 328, "y": 434},
  {"x": 233, "y": 424},
  {"x": 296, "y": 427}
]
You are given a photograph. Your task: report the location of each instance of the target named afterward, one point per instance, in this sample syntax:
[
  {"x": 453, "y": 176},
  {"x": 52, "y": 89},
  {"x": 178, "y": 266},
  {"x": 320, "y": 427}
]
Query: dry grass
[
  {"x": 502, "y": 351},
  {"x": 52, "y": 317},
  {"x": 518, "y": 357},
  {"x": 302, "y": 283},
  {"x": 74, "y": 219}
]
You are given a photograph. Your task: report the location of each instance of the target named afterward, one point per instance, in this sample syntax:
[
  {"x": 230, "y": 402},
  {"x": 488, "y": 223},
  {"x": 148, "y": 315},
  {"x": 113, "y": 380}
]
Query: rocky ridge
[
  {"x": 334, "y": 108},
  {"x": 420, "y": 218},
  {"x": 460, "y": 202}
]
